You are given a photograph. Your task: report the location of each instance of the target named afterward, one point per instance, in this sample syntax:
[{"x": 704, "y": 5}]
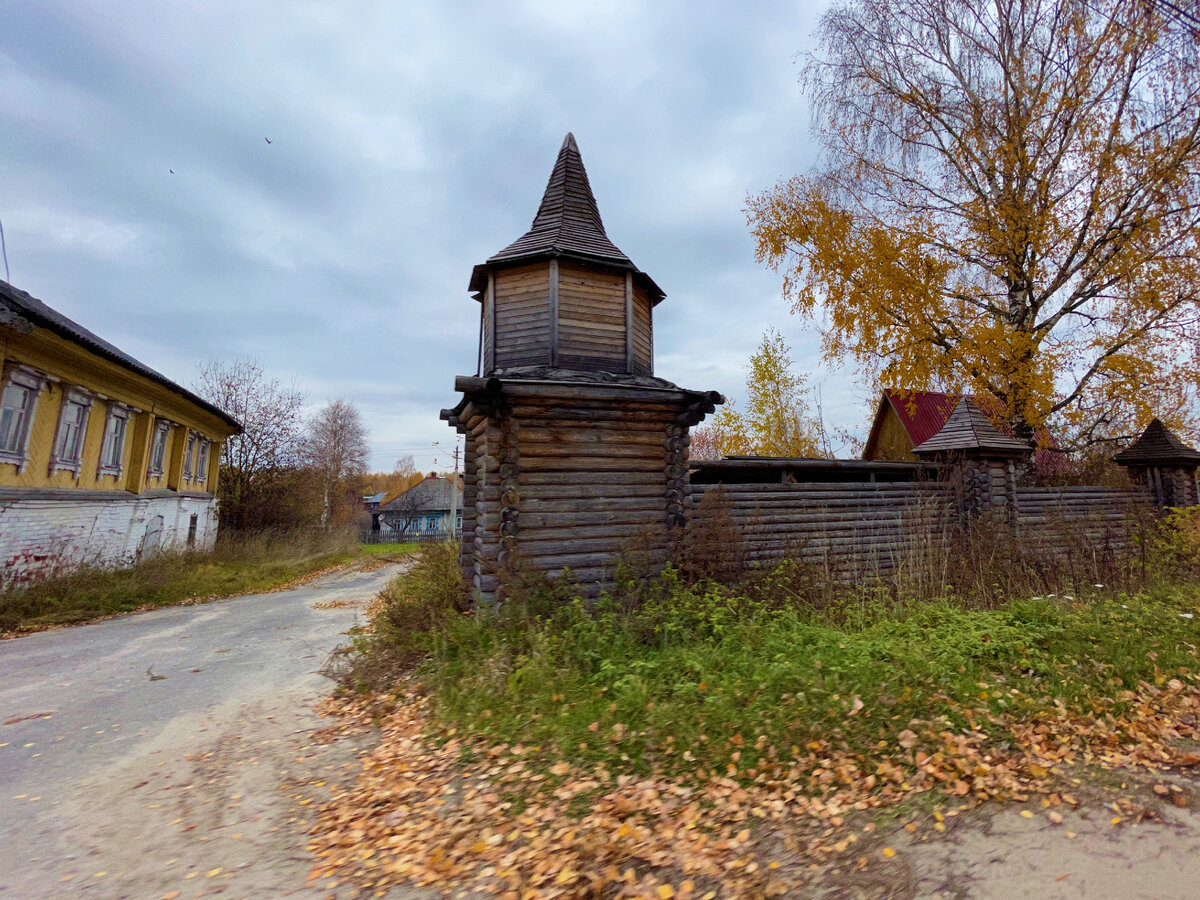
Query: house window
[
  {"x": 431, "y": 523},
  {"x": 113, "y": 450},
  {"x": 189, "y": 456},
  {"x": 158, "y": 450},
  {"x": 72, "y": 426},
  {"x": 202, "y": 446},
  {"x": 17, "y": 403}
]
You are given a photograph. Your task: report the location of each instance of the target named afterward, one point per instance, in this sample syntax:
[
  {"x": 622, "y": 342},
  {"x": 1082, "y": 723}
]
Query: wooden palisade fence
[{"x": 574, "y": 449}]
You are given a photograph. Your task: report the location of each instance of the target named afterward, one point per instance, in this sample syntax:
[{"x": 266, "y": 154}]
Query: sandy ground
[{"x": 1005, "y": 851}]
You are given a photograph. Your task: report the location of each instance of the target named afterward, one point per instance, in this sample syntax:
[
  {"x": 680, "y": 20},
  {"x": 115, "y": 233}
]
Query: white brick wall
[{"x": 44, "y": 534}]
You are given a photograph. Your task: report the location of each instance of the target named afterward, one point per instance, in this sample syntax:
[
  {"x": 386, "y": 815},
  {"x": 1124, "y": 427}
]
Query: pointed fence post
[
  {"x": 1163, "y": 466},
  {"x": 982, "y": 462}
]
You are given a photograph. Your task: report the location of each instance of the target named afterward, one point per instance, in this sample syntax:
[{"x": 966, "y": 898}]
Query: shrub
[{"x": 1176, "y": 547}]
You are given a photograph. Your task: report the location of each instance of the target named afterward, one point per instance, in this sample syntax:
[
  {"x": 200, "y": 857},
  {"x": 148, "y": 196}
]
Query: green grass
[
  {"x": 690, "y": 675},
  {"x": 239, "y": 565}
]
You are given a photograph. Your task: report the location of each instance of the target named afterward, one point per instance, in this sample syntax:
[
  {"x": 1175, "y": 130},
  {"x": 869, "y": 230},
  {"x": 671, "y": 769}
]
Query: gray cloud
[{"x": 408, "y": 142}]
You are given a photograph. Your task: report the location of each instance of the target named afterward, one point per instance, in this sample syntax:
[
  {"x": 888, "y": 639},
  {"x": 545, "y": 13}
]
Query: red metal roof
[{"x": 924, "y": 413}]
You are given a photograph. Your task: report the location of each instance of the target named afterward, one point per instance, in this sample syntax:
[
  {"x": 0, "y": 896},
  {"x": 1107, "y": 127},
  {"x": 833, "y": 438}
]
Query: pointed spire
[
  {"x": 567, "y": 225},
  {"x": 968, "y": 428},
  {"x": 568, "y": 219}
]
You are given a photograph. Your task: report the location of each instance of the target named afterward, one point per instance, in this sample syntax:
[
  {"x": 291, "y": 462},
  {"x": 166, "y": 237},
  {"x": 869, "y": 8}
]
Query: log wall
[
  {"x": 1076, "y": 517},
  {"x": 594, "y": 476},
  {"x": 643, "y": 333},
  {"x": 523, "y": 316},
  {"x": 853, "y": 527},
  {"x": 591, "y": 319}
]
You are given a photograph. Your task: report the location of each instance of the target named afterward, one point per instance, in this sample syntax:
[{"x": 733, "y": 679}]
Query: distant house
[
  {"x": 425, "y": 508},
  {"x": 102, "y": 459},
  {"x": 904, "y": 419},
  {"x": 371, "y": 504}
]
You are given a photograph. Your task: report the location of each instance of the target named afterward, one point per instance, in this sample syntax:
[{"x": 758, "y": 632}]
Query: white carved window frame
[
  {"x": 124, "y": 413},
  {"x": 189, "y": 455},
  {"x": 33, "y": 382},
  {"x": 71, "y": 397},
  {"x": 158, "y": 460},
  {"x": 203, "y": 450}
]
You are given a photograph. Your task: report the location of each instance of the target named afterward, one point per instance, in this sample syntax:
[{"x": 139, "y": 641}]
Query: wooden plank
[
  {"x": 596, "y": 464},
  {"x": 873, "y": 488},
  {"x": 629, "y": 322},
  {"x": 588, "y": 491},
  {"x": 587, "y": 339},
  {"x": 535, "y": 272},
  {"x": 491, "y": 295},
  {"x": 588, "y": 436},
  {"x": 648, "y": 504},
  {"x": 607, "y": 478},
  {"x": 553, "y": 313},
  {"x": 614, "y": 450},
  {"x": 592, "y": 278},
  {"x": 533, "y": 418},
  {"x": 590, "y": 519},
  {"x": 628, "y": 418},
  {"x": 636, "y": 531},
  {"x": 599, "y": 326}
]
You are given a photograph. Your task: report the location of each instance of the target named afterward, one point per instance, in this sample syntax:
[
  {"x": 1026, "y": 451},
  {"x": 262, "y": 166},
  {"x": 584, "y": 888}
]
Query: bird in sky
[
  {"x": 172, "y": 171},
  {"x": 267, "y": 139}
]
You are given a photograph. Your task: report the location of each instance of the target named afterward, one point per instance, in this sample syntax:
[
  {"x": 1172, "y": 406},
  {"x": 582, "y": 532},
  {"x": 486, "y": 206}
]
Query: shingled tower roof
[
  {"x": 567, "y": 225},
  {"x": 1158, "y": 446},
  {"x": 969, "y": 429}
]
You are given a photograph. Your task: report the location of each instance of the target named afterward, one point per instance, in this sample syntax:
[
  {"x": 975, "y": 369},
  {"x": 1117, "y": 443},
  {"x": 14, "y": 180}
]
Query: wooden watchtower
[{"x": 573, "y": 447}]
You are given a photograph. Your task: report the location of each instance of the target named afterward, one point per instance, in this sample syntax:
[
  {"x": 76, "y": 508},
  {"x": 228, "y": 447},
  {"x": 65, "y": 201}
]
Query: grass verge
[
  {"x": 239, "y": 565},
  {"x": 696, "y": 739}
]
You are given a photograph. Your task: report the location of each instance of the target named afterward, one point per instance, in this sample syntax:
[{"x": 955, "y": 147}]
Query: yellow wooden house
[{"x": 102, "y": 459}]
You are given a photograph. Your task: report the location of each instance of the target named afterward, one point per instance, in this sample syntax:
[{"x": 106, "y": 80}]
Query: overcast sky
[{"x": 408, "y": 142}]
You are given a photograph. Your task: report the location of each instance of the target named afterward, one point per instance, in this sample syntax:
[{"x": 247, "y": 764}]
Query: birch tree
[
  {"x": 776, "y": 421},
  {"x": 1008, "y": 203},
  {"x": 336, "y": 448}
]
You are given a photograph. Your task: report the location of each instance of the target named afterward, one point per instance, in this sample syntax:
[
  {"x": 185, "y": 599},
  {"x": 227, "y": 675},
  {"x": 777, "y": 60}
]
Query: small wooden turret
[
  {"x": 563, "y": 296},
  {"x": 1164, "y": 465}
]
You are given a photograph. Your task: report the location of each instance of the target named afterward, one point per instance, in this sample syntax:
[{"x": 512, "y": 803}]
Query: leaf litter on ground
[{"x": 433, "y": 808}]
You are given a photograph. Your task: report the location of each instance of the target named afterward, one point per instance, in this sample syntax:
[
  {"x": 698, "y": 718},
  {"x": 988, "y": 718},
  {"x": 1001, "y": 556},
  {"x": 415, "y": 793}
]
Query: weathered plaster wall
[{"x": 46, "y": 531}]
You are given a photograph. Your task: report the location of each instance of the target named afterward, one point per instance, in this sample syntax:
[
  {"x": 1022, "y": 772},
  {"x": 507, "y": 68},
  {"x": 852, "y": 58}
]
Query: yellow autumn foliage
[{"x": 1008, "y": 205}]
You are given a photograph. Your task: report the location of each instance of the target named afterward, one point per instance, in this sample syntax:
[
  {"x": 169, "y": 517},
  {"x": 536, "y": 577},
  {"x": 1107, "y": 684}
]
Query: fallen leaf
[
  {"x": 889, "y": 852},
  {"x": 1062, "y": 876}
]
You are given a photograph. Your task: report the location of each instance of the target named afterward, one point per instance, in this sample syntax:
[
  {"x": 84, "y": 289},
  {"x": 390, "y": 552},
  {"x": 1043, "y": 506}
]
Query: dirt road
[{"x": 172, "y": 750}]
